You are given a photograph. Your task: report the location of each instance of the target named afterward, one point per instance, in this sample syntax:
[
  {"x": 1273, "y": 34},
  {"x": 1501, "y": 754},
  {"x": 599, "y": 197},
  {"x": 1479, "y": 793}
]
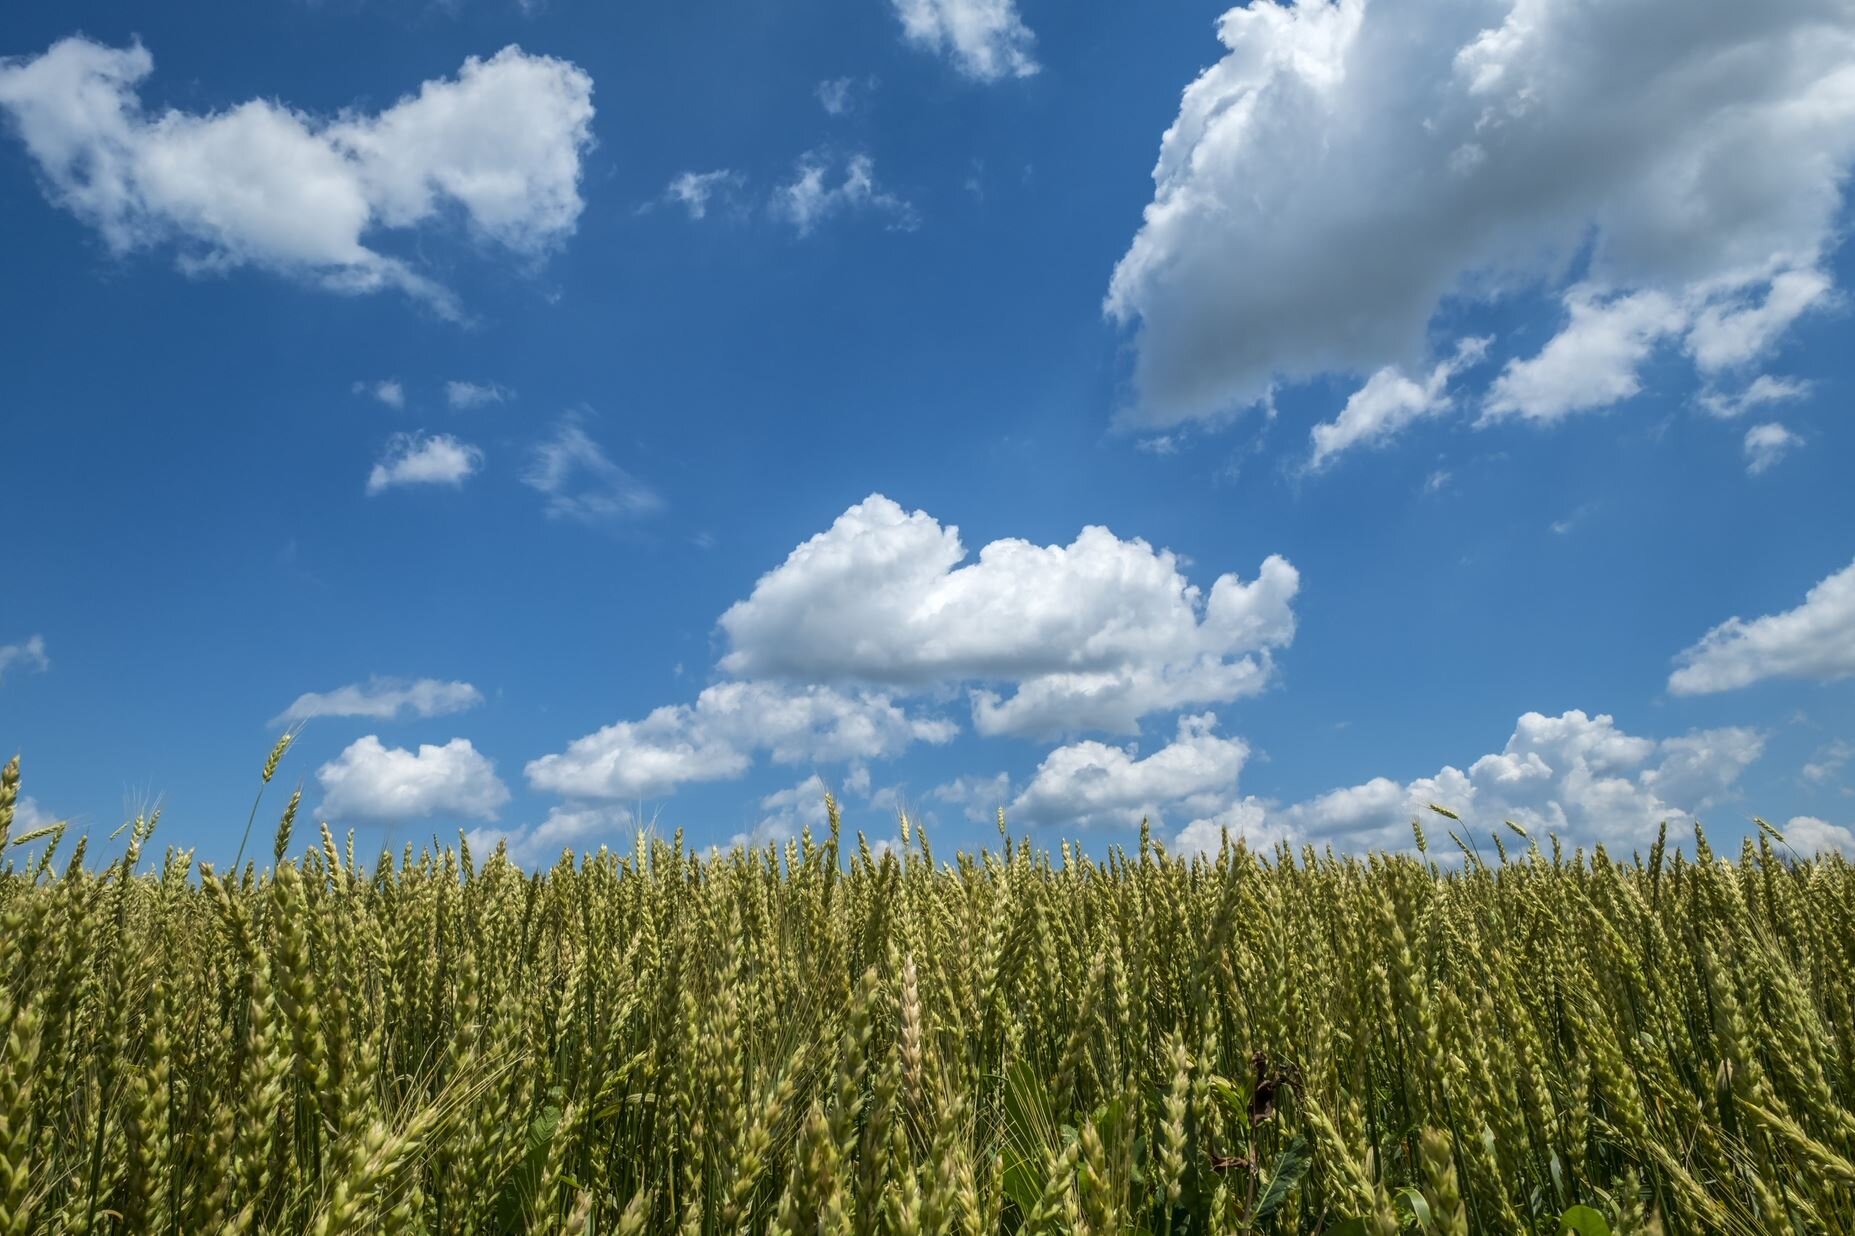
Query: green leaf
[
  {"x": 1347, "y": 1227},
  {"x": 1420, "y": 1207},
  {"x": 1585, "y": 1221},
  {"x": 1290, "y": 1166},
  {"x": 1031, "y": 1136},
  {"x": 1225, "y": 1091}
]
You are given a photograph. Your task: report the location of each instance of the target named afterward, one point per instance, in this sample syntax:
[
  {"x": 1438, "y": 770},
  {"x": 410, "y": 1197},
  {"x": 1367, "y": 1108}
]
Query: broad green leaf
[
  {"x": 1031, "y": 1135},
  {"x": 1289, "y": 1167},
  {"x": 1420, "y": 1207},
  {"x": 1585, "y": 1221}
]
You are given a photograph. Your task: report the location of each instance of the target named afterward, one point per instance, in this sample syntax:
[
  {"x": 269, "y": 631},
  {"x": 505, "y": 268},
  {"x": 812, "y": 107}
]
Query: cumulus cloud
[
  {"x": 693, "y": 190},
  {"x": 1092, "y": 635},
  {"x": 809, "y": 198},
  {"x": 1815, "y": 641},
  {"x": 1245, "y": 820},
  {"x": 421, "y": 459},
  {"x": 1575, "y": 775},
  {"x": 986, "y": 39},
  {"x": 1766, "y": 444},
  {"x": 370, "y": 781},
  {"x": 1349, "y": 166},
  {"x": 1389, "y": 401},
  {"x": 388, "y": 391},
  {"x": 262, "y": 184},
  {"x": 383, "y": 699},
  {"x": 581, "y": 482},
  {"x": 1810, "y": 836},
  {"x": 29, "y": 654},
  {"x": 717, "y": 737},
  {"x": 1091, "y": 784},
  {"x": 1592, "y": 362},
  {"x": 578, "y": 827},
  {"x": 825, "y": 652},
  {"x": 466, "y": 395}
]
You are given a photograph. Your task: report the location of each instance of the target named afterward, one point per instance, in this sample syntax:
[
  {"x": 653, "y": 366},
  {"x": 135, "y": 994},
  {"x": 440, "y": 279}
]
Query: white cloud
[
  {"x": 1732, "y": 331},
  {"x": 466, "y": 395},
  {"x": 578, "y": 827},
  {"x": 1829, "y": 761},
  {"x": 369, "y": 781},
  {"x": 265, "y": 185},
  {"x": 1592, "y": 362},
  {"x": 1389, "y": 401},
  {"x": 28, "y": 655},
  {"x": 807, "y": 200},
  {"x": 1093, "y": 635},
  {"x": 877, "y": 608},
  {"x": 383, "y": 699},
  {"x": 693, "y": 190},
  {"x": 834, "y": 95},
  {"x": 1245, "y": 820},
  {"x": 1091, "y": 784},
  {"x": 979, "y": 798},
  {"x": 421, "y": 459},
  {"x": 1576, "y": 775},
  {"x": 1766, "y": 444},
  {"x": 28, "y": 816},
  {"x": 716, "y": 738},
  {"x": 1761, "y": 391},
  {"x": 1580, "y": 513},
  {"x": 788, "y": 812},
  {"x": 986, "y": 39},
  {"x": 582, "y": 483},
  {"x": 1348, "y": 167},
  {"x": 388, "y": 391},
  {"x": 1814, "y": 641},
  {"x": 1810, "y": 836}
]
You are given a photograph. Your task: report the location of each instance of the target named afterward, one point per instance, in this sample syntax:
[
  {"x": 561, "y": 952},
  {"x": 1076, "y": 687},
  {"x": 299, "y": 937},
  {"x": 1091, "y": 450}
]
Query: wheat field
[{"x": 826, "y": 1038}]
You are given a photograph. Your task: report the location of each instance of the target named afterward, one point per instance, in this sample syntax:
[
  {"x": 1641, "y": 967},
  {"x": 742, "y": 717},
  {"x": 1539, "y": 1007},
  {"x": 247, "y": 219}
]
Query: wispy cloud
[
  {"x": 1760, "y": 392},
  {"x": 985, "y": 39},
  {"x": 1766, "y": 444},
  {"x": 581, "y": 482},
  {"x": 29, "y": 654},
  {"x": 388, "y": 391},
  {"x": 695, "y": 191},
  {"x": 383, "y": 699},
  {"x": 810, "y": 198},
  {"x": 466, "y": 395},
  {"x": 838, "y": 95}
]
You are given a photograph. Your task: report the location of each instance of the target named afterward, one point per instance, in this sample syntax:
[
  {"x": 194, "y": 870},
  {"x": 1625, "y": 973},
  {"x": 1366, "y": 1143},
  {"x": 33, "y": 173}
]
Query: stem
[{"x": 239, "y": 861}]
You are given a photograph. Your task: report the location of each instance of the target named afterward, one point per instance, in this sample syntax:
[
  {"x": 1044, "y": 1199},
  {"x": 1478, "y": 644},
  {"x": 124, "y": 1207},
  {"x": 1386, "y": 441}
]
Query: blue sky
[{"x": 564, "y": 412}]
